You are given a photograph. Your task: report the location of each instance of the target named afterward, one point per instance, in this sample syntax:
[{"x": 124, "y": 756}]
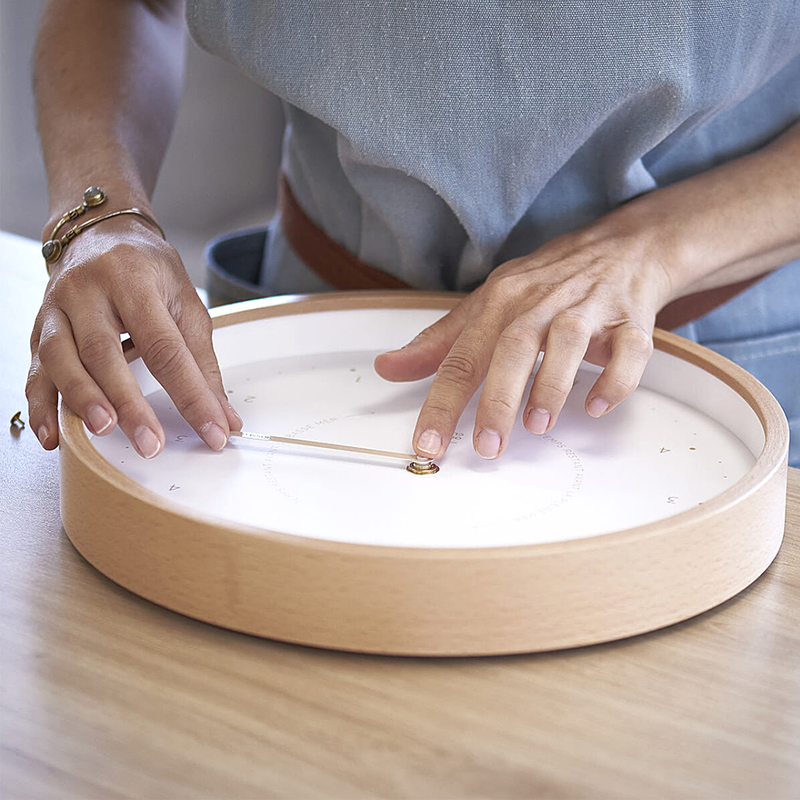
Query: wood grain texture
[
  {"x": 105, "y": 695},
  {"x": 407, "y": 601}
]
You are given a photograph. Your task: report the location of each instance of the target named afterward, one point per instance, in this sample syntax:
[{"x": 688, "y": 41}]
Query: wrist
[
  {"x": 729, "y": 224},
  {"x": 89, "y": 213},
  {"x": 632, "y": 234},
  {"x": 121, "y": 186}
]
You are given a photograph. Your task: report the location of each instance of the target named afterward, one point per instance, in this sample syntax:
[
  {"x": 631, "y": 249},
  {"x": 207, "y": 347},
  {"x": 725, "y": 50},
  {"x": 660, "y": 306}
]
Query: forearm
[
  {"x": 107, "y": 77},
  {"x": 733, "y": 222}
]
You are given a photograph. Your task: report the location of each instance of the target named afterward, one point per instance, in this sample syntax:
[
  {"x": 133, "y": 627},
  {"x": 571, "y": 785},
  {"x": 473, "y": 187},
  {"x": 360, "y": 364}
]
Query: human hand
[
  {"x": 591, "y": 294},
  {"x": 121, "y": 277}
]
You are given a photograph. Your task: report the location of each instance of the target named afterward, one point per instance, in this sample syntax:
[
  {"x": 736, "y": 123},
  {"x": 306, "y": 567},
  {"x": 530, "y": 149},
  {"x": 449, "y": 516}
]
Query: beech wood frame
[{"x": 429, "y": 602}]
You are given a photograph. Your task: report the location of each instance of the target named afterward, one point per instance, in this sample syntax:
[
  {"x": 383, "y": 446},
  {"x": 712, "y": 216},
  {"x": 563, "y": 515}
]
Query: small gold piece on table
[
  {"x": 418, "y": 466},
  {"x": 53, "y": 248},
  {"x": 17, "y": 421}
]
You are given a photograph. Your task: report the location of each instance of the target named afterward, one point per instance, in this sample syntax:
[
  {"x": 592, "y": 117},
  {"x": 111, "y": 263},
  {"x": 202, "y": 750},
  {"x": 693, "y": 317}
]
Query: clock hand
[{"x": 418, "y": 465}]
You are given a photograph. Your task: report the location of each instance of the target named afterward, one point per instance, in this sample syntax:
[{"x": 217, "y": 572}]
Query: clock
[{"x": 599, "y": 530}]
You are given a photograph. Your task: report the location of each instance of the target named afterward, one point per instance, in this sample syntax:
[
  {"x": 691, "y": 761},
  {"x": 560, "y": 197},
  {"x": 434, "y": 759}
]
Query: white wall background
[{"x": 219, "y": 172}]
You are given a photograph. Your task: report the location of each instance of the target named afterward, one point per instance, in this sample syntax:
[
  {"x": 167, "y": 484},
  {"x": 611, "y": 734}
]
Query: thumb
[{"x": 423, "y": 354}]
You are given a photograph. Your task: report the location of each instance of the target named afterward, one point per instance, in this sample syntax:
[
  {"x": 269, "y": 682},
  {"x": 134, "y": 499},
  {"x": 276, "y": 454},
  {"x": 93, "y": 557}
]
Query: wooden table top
[{"x": 107, "y": 695}]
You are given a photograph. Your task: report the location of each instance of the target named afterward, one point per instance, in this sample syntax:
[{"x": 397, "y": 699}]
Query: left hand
[
  {"x": 594, "y": 294},
  {"x": 590, "y": 294}
]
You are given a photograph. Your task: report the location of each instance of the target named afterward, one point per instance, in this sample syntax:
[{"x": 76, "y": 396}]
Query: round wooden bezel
[{"x": 429, "y": 602}]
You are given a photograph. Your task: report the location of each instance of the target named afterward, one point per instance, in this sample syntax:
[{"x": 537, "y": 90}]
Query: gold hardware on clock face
[{"x": 423, "y": 466}]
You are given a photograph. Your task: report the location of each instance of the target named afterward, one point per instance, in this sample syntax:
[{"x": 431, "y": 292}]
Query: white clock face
[{"x": 681, "y": 439}]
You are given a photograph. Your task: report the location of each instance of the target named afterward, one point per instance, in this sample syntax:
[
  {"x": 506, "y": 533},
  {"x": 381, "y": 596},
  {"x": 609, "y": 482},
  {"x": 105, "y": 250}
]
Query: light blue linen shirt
[{"x": 436, "y": 140}]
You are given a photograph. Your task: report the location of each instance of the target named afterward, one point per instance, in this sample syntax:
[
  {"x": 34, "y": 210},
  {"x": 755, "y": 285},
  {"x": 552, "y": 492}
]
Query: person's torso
[{"x": 436, "y": 140}]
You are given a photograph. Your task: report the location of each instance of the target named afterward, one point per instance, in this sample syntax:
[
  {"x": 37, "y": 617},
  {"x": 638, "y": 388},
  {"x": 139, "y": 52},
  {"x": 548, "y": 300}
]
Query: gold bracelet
[
  {"x": 91, "y": 197},
  {"x": 53, "y": 248}
]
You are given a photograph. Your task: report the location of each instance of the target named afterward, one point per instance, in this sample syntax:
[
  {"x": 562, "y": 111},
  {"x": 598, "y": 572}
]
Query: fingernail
[
  {"x": 235, "y": 413},
  {"x": 408, "y": 344},
  {"x": 146, "y": 442},
  {"x": 99, "y": 419},
  {"x": 430, "y": 443},
  {"x": 537, "y": 421},
  {"x": 213, "y": 436},
  {"x": 487, "y": 444},
  {"x": 597, "y": 407},
  {"x": 43, "y": 434}
]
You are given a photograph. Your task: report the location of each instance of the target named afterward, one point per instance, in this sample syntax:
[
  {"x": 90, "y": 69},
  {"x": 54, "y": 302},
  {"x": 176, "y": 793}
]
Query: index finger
[
  {"x": 166, "y": 354},
  {"x": 458, "y": 378}
]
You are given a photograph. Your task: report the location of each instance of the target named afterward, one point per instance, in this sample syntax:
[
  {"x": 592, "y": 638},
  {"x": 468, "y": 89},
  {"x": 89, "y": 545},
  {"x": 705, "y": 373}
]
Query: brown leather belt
[
  {"x": 334, "y": 263},
  {"x": 337, "y": 266}
]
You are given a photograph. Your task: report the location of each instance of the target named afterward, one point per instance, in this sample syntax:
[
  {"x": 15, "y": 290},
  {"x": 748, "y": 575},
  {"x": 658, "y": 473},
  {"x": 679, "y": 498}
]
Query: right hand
[{"x": 114, "y": 278}]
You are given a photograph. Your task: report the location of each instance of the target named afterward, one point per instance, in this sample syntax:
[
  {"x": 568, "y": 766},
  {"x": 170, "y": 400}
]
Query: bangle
[
  {"x": 53, "y": 248},
  {"x": 91, "y": 197}
]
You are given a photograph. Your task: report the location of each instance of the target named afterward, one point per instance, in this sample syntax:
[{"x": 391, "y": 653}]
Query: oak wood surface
[{"x": 107, "y": 695}]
